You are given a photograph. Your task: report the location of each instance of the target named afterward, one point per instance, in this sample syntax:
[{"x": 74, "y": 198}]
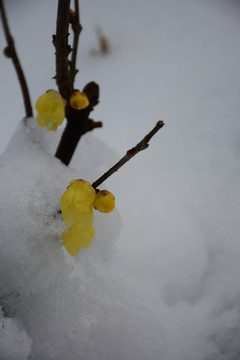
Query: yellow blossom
[
  {"x": 76, "y": 203},
  {"x": 50, "y": 110},
  {"x": 77, "y": 210},
  {"x": 104, "y": 201}
]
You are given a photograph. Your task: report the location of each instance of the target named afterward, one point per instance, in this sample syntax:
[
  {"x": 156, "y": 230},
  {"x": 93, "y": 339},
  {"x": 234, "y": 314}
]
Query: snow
[
  {"x": 161, "y": 280},
  {"x": 15, "y": 344},
  {"x": 62, "y": 304}
]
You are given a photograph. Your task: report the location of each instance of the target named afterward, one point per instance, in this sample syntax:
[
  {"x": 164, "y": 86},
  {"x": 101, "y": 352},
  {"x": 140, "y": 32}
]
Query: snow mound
[{"x": 58, "y": 307}]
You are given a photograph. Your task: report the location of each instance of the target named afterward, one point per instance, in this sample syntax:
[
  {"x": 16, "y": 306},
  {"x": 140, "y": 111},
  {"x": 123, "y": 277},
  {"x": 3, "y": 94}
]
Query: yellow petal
[
  {"x": 85, "y": 239},
  {"x": 78, "y": 197},
  {"x": 91, "y": 231},
  {"x": 50, "y": 110},
  {"x": 76, "y": 238},
  {"x": 80, "y": 219},
  {"x": 71, "y": 241}
]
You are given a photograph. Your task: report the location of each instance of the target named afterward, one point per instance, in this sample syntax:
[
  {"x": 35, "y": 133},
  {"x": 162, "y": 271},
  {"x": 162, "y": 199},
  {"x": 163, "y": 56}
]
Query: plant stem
[
  {"x": 77, "y": 28},
  {"x": 71, "y": 136},
  {"x": 78, "y": 123},
  {"x": 62, "y": 49},
  {"x": 142, "y": 145},
  {"x": 10, "y": 52}
]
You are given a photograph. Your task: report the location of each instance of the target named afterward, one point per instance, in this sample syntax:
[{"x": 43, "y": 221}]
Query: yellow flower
[
  {"x": 50, "y": 110},
  {"x": 77, "y": 210},
  {"x": 79, "y": 100},
  {"x": 76, "y": 203},
  {"x": 75, "y": 239},
  {"x": 104, "y": 201}
]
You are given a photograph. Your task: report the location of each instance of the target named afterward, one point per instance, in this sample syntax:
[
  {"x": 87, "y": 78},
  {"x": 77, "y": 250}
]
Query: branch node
[
  {"x": 7, "y": 52},
  {"x": 94, "y": 124}
]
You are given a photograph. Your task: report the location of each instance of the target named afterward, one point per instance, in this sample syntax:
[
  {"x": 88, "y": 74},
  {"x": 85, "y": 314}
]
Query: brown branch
[
  {"x": 10, "y": 52},
  {"x": 78, "y": 123},
  {"x": 142, "y": 145},
  {"x": 94, "y": 124},
  {"x": 62, "y": 49},
  {"x": 76, "y": 28}
]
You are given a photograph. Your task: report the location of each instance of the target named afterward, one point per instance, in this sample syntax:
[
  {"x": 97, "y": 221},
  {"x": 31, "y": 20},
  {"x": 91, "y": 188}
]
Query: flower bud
[
  {"x": 79, "y": 100},
  {"x": 104, "y": 201}
]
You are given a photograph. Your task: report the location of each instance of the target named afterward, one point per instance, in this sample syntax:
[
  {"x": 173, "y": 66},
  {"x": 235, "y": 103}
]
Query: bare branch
[
  {"x": 78, "y": 123},
  {"x": 10, "y": 52},
  {"x": 142, "y": 145},
  {"x": 76, "y": 28},
  {"x": 62, "y": 49}
]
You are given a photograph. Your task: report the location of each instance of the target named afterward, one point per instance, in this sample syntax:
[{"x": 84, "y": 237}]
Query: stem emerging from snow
[
  {"x": 142, "y": 145},
  {"x": 10, "y": 52}
]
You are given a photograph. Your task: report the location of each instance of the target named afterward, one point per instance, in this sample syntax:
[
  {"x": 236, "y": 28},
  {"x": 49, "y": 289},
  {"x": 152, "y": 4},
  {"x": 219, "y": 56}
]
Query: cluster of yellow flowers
[
  {"x": 77, "y": 204},
  {"x": 51, "y": 107},
  {"x": 78, "y": 200}
]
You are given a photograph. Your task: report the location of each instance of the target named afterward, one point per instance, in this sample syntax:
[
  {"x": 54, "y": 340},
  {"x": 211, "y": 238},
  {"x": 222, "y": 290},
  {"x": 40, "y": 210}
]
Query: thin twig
[
  {"x": 62, "y": 49},
  {"x": 10, "y": 52},
  {"x": 142, "y": 145},
  {"x": 76, "y": 27},
  {"x": 94, "y": 124}
]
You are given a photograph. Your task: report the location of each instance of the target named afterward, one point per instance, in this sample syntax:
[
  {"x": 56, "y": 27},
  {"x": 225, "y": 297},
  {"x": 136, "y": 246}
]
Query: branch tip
[{"x": 142, "y": 145}]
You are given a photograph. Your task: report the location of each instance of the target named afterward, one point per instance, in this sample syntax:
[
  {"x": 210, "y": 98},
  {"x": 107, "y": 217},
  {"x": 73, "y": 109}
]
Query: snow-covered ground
[{"x": 166, "y": 287}]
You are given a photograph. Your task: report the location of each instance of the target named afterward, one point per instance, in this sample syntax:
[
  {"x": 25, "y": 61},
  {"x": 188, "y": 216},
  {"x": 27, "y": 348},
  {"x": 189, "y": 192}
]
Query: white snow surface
[
  {"x": 62, "y": 304},
  {"x": 161, "y": 281}
]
